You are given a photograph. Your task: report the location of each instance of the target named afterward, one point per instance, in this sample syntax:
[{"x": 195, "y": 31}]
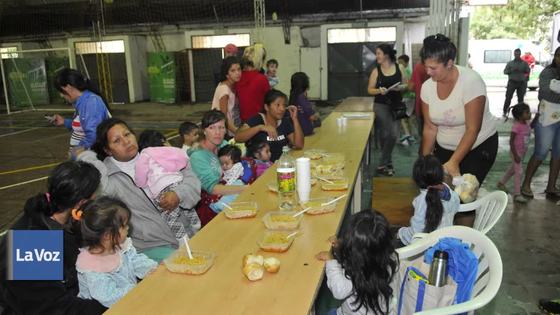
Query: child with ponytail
[{"x": 436, "y": 205}]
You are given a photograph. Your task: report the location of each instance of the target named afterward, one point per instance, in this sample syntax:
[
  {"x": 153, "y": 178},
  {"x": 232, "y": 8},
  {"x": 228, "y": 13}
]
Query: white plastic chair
[
  {"x": 489, "y": 276},
  {"x": 488, "y": 209}
]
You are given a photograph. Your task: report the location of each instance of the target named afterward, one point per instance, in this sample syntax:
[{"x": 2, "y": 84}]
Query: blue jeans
[{"x": 547, "y": 137}]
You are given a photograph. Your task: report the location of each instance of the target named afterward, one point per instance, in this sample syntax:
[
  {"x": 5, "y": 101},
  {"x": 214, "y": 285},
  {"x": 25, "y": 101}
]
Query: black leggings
[{"x": 478, "y": 161}]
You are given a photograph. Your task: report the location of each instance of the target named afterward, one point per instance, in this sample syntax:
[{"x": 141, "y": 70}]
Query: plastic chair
[
  {"x": 489, "y": 277},
  {"x": 488, "y": 209}
]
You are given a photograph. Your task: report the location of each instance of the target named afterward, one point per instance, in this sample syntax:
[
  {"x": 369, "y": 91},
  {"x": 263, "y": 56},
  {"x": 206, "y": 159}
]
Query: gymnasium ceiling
[{"x": 36, "y": 18}]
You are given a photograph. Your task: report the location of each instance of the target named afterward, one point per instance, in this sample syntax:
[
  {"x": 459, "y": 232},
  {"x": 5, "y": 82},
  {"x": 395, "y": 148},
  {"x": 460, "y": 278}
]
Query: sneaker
[
  {"x": 385, "y": 170},
  {"x": 520, "y": 199},
  {"x": 404, "y": 142},
  {"x": 550, "y": 306},
  {"x": 411, "y": 139},
  {"x": 502, "y": 187}
]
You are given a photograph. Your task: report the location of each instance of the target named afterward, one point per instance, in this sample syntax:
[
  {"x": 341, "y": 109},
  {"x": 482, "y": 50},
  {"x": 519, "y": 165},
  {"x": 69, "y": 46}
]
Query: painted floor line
[
  {"x": 32, "y": 168},
  {"x": 18, "y": 132},
  {"x": 23, "y": 183}
]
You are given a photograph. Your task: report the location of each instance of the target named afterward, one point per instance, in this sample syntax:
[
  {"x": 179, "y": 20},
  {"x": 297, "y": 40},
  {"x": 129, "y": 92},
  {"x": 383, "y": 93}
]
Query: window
[
  {"x": 8, "y": 52},
  {"x": 497, "y": 56},
  {"x": 360, "y": 35},
  {"x": 220, "y": 41},
  {"x": 110, "y": 46}
]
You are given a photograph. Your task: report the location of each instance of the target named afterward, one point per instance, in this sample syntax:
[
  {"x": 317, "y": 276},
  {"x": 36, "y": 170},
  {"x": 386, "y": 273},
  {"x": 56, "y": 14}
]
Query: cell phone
[{"x": 50, "y": 118}]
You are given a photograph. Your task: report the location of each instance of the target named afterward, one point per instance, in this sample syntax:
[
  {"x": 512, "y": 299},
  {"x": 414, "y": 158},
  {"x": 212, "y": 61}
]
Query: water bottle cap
[{"x": 441, "y": 254}]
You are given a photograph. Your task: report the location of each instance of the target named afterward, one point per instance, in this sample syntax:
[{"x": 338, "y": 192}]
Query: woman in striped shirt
[{"x": 91, "y": 110}]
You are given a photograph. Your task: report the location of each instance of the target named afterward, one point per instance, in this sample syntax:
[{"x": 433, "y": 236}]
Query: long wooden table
[
  {"x": 224, "y": 289},
  {"x": 356, "y": 104}
]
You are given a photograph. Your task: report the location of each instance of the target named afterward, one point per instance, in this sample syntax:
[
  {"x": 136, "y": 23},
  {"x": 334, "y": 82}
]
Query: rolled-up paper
[{"x": 303, "y": 176}]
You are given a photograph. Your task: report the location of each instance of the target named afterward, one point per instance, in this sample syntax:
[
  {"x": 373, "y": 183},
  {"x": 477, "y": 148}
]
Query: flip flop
[{"x": 527, "y": 193}]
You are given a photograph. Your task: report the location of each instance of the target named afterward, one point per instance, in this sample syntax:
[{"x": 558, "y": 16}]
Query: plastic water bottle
[
  {"x": 286, "y": 175},
  {"x": 438, "y": 269}
]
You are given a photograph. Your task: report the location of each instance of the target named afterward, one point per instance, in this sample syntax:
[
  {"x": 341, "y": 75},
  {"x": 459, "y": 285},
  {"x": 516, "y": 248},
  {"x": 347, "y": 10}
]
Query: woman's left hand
[
  {"x": 169, "y": 201},
  {"x": 324, "y": 256},
  {"x": 452, "y": 168},
  {"x": 292, "y": 109}
]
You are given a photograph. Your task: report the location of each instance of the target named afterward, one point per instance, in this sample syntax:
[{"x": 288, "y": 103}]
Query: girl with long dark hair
[
  {"x": 436, "y": 205},
  {"x": 363, "y": 271},
  {"x": 298, "y": 97},
  {"x": 90, "y": 107},
  {"x": 69, "y": 186}
]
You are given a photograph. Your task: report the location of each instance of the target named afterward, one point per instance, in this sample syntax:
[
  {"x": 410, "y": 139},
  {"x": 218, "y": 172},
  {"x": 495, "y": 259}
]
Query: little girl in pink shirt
[{"x": 518, "y": 144}]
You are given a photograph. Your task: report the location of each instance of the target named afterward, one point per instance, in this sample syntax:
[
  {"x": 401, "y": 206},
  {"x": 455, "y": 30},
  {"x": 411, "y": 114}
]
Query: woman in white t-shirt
[
  {"x": 458, "y": 126},
  {"x": 224, "y": 96}
]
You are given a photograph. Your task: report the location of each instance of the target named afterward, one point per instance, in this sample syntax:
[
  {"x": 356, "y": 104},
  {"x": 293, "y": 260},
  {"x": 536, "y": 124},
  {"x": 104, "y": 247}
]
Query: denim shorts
[{"x": 547, "y": 138}]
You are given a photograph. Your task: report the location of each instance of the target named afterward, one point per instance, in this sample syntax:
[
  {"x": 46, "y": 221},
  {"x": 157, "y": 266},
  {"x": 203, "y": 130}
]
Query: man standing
[{"x": 518, "y": 73}]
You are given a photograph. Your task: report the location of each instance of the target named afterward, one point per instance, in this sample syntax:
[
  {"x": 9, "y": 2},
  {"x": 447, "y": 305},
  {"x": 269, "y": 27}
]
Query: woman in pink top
[
  {"x": 224, "y": 96},
  {"x": 518, "y": 143}
]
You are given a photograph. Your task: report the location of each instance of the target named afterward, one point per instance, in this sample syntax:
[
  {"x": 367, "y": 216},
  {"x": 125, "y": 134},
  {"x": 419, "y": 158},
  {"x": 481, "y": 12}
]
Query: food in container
[
  {"x": 335, "y": 184},
  {"x": 281, "y": 220},
  {"x": 180, "y": 262},
  {"x": 314, "y": 154},
  {"x": 241, "y": 209},
  {"x": 319, "y": 205},
  {"x": 275, "y": 241}
]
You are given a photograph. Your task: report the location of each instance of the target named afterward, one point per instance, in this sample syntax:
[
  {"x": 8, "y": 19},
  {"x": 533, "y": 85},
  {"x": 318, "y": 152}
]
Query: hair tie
[
  {"x": 48, "y": 196},
  {"x": 77, "y": 214},
  {"x": 439, "y": 187}
]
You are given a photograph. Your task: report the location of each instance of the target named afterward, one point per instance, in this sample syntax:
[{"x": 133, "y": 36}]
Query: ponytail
[
  {"x": 39, "y": 204},
  {"x": 434, "y": 209}
]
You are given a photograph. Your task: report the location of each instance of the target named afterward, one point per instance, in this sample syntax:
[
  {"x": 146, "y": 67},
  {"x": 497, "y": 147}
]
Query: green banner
[
  {"x": 161, "y": 70},
  {"x": 27, "y": 81}
]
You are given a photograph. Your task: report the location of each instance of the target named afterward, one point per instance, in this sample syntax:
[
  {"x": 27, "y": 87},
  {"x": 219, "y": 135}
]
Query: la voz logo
[{"x": 35, "y": 254}]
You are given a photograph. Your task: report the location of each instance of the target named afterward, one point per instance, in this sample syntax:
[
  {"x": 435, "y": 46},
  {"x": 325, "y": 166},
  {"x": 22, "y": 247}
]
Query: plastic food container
[
  {"x": 241, "y": 209},
  {"x": 314, "y": 154},
  {"x": 318, "y": 205},
  {"x": 276, "y": 241},
  {"x": 281, "y": 220},
  {"x": 337, "y": 184},
  {"x": 179, "y": 262}
]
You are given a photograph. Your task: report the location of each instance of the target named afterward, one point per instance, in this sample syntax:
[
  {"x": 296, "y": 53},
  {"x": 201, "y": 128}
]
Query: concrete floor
[{"x": 526, "y": 234}]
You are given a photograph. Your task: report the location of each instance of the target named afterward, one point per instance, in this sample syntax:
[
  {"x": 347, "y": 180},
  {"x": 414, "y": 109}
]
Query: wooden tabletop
[
  {"x": 224, "y": 289},
  {"x": 356, "y": 104}
]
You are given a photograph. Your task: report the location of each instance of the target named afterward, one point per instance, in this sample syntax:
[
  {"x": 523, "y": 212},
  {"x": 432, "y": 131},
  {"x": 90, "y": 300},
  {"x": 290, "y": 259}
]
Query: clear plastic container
[
  {"x": 276, "y": 241},
  {"x": 335, "y": 184},
  {"x": 179, "y": 262},
  {"x": 281, "y": 220},
  {"x": 314, "y": 154},
  {"x": 241, "y": 209},
  {"x": 319, "y": 205}
]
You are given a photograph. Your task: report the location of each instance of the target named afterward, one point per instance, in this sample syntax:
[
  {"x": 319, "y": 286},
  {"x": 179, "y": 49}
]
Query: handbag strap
[{"x": 421, "y": 290}]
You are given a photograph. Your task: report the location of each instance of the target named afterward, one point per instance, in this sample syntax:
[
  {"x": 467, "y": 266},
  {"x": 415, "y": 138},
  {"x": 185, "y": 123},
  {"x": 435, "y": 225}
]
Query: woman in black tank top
[{"x": 386, "y": 74}]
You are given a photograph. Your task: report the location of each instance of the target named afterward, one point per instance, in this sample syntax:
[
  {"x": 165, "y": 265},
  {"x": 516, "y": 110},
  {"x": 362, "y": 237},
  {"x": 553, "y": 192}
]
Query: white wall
[
  {"x": 137, "y": 68},
  {"x": 172, "y": 42}
]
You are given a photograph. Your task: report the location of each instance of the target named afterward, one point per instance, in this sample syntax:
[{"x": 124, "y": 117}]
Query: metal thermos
[{"x": 438, "y": 270}]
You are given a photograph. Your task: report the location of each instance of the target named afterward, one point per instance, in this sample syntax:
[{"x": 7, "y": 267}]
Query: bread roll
[
  {"x": 253, "y": 272},
  {"x": 272, "y": 264},
  {"x": 253, "y": 259}
]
